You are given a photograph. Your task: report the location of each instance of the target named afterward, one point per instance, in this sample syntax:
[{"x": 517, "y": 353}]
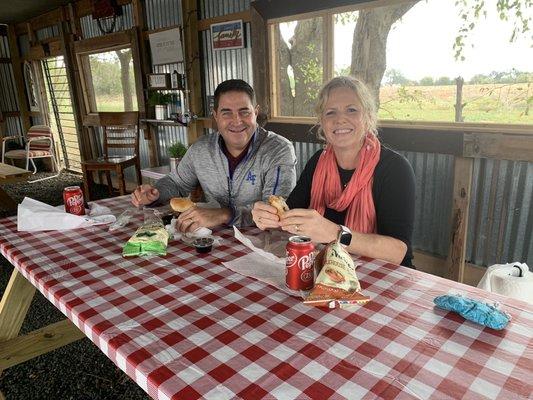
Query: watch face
[{"x": 346, "y": 236}]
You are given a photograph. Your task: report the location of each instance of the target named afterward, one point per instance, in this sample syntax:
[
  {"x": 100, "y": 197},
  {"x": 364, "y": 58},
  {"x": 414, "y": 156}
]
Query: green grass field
[{"x": 493, "y": 103}]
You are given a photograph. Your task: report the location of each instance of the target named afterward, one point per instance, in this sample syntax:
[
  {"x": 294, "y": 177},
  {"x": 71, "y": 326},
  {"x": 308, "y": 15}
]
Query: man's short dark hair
[{"x": 233, "y": 85}]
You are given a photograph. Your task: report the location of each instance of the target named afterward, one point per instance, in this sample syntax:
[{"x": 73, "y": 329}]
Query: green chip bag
[{"x": 150, "y": 239}]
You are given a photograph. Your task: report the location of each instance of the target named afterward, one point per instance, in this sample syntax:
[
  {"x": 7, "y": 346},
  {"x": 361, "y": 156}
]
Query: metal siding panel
[{"x": 501, "y": 215}]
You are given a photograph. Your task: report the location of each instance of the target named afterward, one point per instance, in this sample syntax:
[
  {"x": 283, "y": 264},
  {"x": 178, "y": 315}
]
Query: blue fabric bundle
[{"x": 474, "y": 310}]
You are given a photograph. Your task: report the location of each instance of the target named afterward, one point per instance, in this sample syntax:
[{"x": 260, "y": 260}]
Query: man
[{"x": 240, "y": 164}]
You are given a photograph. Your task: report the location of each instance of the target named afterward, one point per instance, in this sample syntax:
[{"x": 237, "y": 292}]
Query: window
[
  {"x": 405, "y": 54},
  {"x": 110, "y": 80},
  {"x": 109, "y": 68}
]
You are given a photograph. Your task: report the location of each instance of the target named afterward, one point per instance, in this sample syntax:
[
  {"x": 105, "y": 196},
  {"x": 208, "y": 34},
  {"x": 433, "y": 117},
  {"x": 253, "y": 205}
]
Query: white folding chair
[{"x": 39, "y": 144}]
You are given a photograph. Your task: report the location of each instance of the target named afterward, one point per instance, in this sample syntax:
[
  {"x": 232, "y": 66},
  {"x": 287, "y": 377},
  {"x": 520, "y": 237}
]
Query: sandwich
[
  {"x": 279, "y": 203},
  {"x": 181, "y": 204}
]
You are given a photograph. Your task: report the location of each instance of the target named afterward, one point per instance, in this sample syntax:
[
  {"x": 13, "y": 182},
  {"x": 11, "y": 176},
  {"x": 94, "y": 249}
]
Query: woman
[{"x": 354, "y": 183}]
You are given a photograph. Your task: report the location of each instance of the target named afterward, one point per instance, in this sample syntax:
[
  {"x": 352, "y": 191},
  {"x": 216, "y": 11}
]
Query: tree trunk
[
  {"x": 125, "y": 58},
  {"x": 304, "y": 56},
  {"x": 286, "y": 99},
  {"x": 369, "y": 48}
]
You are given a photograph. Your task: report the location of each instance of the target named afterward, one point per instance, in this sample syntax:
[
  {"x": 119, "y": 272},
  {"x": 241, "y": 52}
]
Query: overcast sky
[{"x": 421, "y": 44}]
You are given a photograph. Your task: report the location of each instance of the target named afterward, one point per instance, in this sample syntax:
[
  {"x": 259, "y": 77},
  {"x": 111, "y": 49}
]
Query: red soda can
[
  {"x": 299, "y": 274},
  {"x": 73, "y": 198}
]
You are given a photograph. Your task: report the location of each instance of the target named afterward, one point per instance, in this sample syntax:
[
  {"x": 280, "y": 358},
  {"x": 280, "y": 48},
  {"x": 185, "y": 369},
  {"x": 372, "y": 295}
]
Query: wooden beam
[
  {"x": 101, "y": 43},
  {"x": 192, "y": 66},
  {"x": 260, "y": 61},
  {"x": 205, "y": 24},
  {"x": 38, "y": 342},
  {"x": 499, "y": 146},
  {"x": 462, "y": 186},
  {"x": 49, "y": 18},
  {"x": 14, "y": 305},
  {"x": 19, "y": 79},
  {"x": 37, "y": 52}
]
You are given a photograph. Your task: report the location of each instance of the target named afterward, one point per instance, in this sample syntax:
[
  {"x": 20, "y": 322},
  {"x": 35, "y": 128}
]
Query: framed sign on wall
[
  {"x": 227, "y": 35},
  {"x": 166, "y": 47},
  {"x": 158, "y": 81}
]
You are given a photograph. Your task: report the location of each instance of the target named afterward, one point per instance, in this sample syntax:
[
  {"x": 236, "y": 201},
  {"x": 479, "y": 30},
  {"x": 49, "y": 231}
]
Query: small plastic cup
[{"x": 203, "y": 245}]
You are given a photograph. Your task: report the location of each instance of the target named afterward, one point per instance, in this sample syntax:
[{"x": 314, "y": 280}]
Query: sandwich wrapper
[
  {"x": 34, "y": 216},
  {"x": 266, "y": 262}
]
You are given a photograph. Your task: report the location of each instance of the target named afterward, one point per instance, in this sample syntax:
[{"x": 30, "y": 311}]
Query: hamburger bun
[
  {"x": 181, "y": 204},
  {"x": 279, "y": 203}
]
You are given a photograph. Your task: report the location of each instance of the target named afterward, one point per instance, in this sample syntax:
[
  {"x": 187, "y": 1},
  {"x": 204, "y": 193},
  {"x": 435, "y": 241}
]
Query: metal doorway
[{"x": 61, "y": 112}]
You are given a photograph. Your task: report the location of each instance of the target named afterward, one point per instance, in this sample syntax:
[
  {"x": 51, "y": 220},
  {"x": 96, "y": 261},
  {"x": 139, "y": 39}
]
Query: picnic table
[
  {"x": 10, "y": 174},
  {"x": 184, "y": 326}
]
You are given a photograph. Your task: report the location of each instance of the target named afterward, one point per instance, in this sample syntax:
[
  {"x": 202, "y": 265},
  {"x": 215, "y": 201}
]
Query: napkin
[
  {"x": 261, "y": 264},
  {"x": 33, "y": 215}
]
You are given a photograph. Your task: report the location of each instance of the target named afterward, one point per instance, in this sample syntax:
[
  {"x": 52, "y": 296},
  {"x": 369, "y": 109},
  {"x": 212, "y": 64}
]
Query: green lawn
[{"x": 495, "y": 103}]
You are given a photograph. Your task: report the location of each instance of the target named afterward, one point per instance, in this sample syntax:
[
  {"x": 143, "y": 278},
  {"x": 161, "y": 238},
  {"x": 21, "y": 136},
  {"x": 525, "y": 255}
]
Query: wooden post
[
  {"x": 260, "y": 60},
  {"x": 19, "y": 78},
  {"x": 459, "y": 99},
  {"x": 74, "y": 83},
  {"x": 192, "y": 67},
  {"x": 461, "y": 200}
]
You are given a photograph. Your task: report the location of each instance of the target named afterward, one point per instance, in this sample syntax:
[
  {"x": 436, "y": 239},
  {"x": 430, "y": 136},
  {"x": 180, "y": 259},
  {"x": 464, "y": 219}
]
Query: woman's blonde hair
[{"x": 363, "y": 94}]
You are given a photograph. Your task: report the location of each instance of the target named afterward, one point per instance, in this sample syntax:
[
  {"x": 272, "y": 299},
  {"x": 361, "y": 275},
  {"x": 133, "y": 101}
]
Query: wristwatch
[{"x": 345, "y": 235}]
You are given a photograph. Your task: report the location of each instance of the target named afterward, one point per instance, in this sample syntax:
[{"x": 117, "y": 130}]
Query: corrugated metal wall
[
  {"x": 8, "y": 93},
  {"x": 165, "y": 14},
  {"x": 219, "y": 65},
  {"x": 501, "y": 213},
  {"x": 216, "y": 8},
  {"x": 47, "y": 33},
  {"x": 433, "y": 201},
  {"x": 162, "y": 13},
  {"x": 90, "y": 29}
]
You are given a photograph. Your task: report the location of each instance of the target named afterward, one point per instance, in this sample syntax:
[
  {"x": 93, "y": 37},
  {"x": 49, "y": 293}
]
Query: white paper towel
[{"x": 513, "y": 280}]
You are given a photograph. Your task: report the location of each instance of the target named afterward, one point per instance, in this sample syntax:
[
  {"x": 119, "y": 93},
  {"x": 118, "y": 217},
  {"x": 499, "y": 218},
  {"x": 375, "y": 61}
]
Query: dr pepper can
[
  {"x": 299, "y": 272},
  {"x": 73, "y": 198}
]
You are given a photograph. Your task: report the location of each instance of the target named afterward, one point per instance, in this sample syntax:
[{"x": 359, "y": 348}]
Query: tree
[
  {"x": 443, "y": 81},
  {"x": 369, "y": 48},
  {"x": 124, "y": 57},
  {"x": 427, "y": 81},
  {"x": 396, "y": 77}
]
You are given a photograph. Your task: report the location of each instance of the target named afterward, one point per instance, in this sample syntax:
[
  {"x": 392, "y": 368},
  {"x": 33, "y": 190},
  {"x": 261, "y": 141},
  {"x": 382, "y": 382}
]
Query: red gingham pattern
[{"x": 184, "y": 326}]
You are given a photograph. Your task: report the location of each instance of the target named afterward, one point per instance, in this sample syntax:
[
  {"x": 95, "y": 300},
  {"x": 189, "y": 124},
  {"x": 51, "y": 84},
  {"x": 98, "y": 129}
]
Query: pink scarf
[{"x": 326, "y": 190}]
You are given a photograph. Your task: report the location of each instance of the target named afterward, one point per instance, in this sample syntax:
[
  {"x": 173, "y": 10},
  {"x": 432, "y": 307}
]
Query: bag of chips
[
  {"x": 150, "y": 239},
  {"x": 336, "y": 284}
]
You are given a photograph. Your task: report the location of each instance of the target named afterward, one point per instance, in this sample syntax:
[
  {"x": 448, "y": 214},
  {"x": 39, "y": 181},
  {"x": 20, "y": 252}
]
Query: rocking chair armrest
[{"x": 6, "y": 138}]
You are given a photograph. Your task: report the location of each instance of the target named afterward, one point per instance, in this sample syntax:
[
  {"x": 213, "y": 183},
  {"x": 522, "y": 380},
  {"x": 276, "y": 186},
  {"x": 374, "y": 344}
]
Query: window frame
[
  {"x": 328, "y": 65},
  {"x": 103, "y": 44}
]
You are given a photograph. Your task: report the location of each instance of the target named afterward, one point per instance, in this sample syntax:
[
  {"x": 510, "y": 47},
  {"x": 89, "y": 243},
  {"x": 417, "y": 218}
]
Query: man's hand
[
  {"x": 144, "y": 194},
  {"x": 196, "y": 217},
  {"x": 265, "y": 216}
]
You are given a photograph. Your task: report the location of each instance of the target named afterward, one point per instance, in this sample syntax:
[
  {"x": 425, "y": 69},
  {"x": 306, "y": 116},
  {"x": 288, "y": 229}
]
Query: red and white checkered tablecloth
[{"x": 184, "y": 326}]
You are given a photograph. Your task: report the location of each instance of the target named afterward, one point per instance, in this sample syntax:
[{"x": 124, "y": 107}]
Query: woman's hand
[
  {"x": 309, "y": 222},
  {"x": 265, "y": 216}
]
